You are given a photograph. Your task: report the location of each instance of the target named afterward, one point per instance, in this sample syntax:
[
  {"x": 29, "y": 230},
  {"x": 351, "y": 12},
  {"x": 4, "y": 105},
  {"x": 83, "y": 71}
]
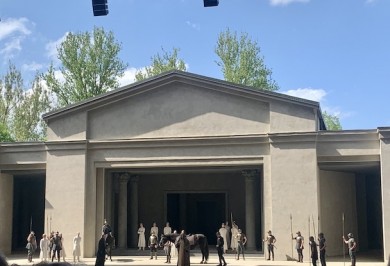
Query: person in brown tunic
[{"x": 183, "y": 245}]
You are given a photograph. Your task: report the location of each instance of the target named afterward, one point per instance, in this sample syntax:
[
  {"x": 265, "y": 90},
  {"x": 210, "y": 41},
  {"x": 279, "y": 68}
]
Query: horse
[
  {"x": 194, "y": 239},
  {"x": 110, "y": 245}
]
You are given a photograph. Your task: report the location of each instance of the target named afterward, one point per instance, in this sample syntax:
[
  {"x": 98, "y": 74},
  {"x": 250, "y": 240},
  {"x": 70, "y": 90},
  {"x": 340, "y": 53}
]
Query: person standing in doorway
[
  {"x": 228, "y": 235},
  {"x": 223, "y": 232},
  {"x": 270, "y": 240},
  {"x": 31, "y": 246},
  {"x": 299, "y": 241},
  {"x": 141, "y": 237},
  {"x": 220, "y": 244},
  {"x": 351, "y": 248},
  {"x": 322, "y": 246}
]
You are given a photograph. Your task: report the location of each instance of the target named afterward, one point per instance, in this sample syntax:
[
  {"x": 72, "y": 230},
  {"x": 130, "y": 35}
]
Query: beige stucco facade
[{"x": 182, "y": 141}]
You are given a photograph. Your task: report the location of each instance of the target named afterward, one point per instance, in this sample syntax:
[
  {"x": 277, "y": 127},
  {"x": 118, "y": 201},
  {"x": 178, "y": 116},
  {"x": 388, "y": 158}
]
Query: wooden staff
[
  {"x": 343, "y": 220},
  {"x": 314, "y": 226},
  {"x": 292, "y": 243}
]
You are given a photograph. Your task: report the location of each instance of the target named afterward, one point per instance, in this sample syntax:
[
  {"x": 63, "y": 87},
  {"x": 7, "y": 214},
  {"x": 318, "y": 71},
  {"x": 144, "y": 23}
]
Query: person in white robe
[
  {"x": 233, "y": 242},
  {"x": 76, "y": 247},
  {"x": 154, "y": 229},
  {"x": 44, "y": 246},
  {"x": 223, "y": 233},
  {"x": 167, "y": 229},
  {"x": 141, "y": 237}
]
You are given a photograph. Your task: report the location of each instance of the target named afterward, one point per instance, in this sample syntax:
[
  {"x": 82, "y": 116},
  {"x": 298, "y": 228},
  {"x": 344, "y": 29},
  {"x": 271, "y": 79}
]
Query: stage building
[{"x": 197, "y": 151}]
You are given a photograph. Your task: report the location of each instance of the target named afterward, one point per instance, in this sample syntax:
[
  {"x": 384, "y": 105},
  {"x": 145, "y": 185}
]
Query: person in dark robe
[
  {"x": 101, "y": 251},
  {"x": 220, "y": 244},
  {"x": 183, "y": 246},
  {"x": 313, "y": 251}
]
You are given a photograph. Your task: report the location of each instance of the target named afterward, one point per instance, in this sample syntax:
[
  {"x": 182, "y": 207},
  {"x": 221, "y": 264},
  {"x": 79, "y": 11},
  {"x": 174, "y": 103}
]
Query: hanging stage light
[
  {"x": 100, "y": 7},
  {"x": 208, "y": 3}
]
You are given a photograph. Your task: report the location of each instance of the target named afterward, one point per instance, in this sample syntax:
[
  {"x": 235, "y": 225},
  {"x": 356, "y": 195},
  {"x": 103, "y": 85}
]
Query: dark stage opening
[
  {"x": 28, "y": 209},
  {"x": 197, "y": 213}
]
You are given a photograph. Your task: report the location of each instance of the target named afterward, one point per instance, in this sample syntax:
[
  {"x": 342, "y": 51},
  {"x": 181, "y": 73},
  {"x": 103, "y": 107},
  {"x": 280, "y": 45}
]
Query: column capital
[
  {"x": 250, "y": 173},
  {"x": 124, "y": 178},
  {"x": 134, "y": 178}
]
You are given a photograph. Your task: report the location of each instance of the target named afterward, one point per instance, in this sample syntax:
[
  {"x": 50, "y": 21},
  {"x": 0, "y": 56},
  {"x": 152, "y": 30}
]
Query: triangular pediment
[{"x": 177, "y": 104}]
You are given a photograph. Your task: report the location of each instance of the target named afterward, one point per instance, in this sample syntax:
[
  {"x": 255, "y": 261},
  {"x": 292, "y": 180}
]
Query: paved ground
[{"x": 250, "y": 260}]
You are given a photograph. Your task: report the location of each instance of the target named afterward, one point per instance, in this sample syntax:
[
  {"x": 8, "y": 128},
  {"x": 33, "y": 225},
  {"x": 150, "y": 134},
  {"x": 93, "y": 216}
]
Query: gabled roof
[{"x": 181, "y": 77}]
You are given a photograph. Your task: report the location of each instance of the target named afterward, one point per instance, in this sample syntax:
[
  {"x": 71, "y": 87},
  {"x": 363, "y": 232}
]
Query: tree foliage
[
  {"x": 21, "y": 108},
  {"x": 90, "y": 66},
  {"x": 162, "y": 63},
  {"x": 332, "y": 122},
  {"x": 241, "y": 61}
]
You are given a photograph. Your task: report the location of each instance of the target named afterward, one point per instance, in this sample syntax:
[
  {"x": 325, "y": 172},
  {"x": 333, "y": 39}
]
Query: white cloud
[
  {"x": 34, "y": 66},
  {"x": 12, "y": 33},
  {"x": 286, "y": 2},
  {"x": 317, "y": 95},
  {"x": 193, "y": 25},
  {"x": 11, "y": 27},
  {"x": 51, "y": 48},
  {"x": 128, "y": 77}
]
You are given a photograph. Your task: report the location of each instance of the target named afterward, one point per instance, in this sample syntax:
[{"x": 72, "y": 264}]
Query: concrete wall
[
  {"x": 70, "y": 127},
  {"x": 294, "y": 192},
  {"x": 65, "y": 193},
  {"x": 287, "y": 117},
  {"x": 337, "y": 196},
  {"x": 179, "y": 111},
  {"x": 6, "y": 199},
  {"x": 385, "y": 174}
]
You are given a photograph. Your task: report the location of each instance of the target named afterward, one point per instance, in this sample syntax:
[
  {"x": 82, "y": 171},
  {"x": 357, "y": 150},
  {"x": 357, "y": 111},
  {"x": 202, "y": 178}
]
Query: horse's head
[{"x": 163, "y": 240}]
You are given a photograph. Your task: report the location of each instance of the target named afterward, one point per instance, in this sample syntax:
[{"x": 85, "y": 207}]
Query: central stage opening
[{"x": 197, "y": 212}]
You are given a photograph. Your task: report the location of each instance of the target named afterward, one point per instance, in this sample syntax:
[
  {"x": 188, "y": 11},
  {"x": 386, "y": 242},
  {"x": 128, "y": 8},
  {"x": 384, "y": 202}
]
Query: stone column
[
  {"x": 122, "y": 211},
  {"x": 6, "y": 203},
  {"x": 250, "y": 217},
  {"x": 133, "y": 210}
]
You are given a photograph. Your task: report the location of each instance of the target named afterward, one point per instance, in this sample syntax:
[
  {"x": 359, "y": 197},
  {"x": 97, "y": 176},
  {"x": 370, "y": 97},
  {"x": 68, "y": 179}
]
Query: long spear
[
  {"x": 292, "y": 244},
  {"x": 314, "y": 226},
  {"x": 343, "y": 220}
]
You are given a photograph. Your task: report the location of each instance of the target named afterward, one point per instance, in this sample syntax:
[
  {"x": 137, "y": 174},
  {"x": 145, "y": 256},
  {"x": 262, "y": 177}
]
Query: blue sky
[{"x": 336, "y": 52}]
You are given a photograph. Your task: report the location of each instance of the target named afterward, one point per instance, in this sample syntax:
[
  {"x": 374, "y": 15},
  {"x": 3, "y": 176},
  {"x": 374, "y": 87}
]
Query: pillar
[
  {"x": 122, "y": 211},
  {"x": 6, "y": 207},
  {"x": 250, "y": 217},
  {"x": 133, "y": 210}
]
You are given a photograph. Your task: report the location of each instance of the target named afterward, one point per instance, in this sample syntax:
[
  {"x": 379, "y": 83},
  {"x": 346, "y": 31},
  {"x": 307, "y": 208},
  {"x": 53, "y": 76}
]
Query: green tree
[
  {"x": 21, "y": 108},
  {"x": 27, "y": 123},
  {"x": 90, "y": 66},
  {"x": 332, "y": 122},
  {"x": 162, "y": 63},
  {"x": 11, "y": 93},
  {"x": 241, "y": 61},
  {"x": 5, "y": 136}
]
